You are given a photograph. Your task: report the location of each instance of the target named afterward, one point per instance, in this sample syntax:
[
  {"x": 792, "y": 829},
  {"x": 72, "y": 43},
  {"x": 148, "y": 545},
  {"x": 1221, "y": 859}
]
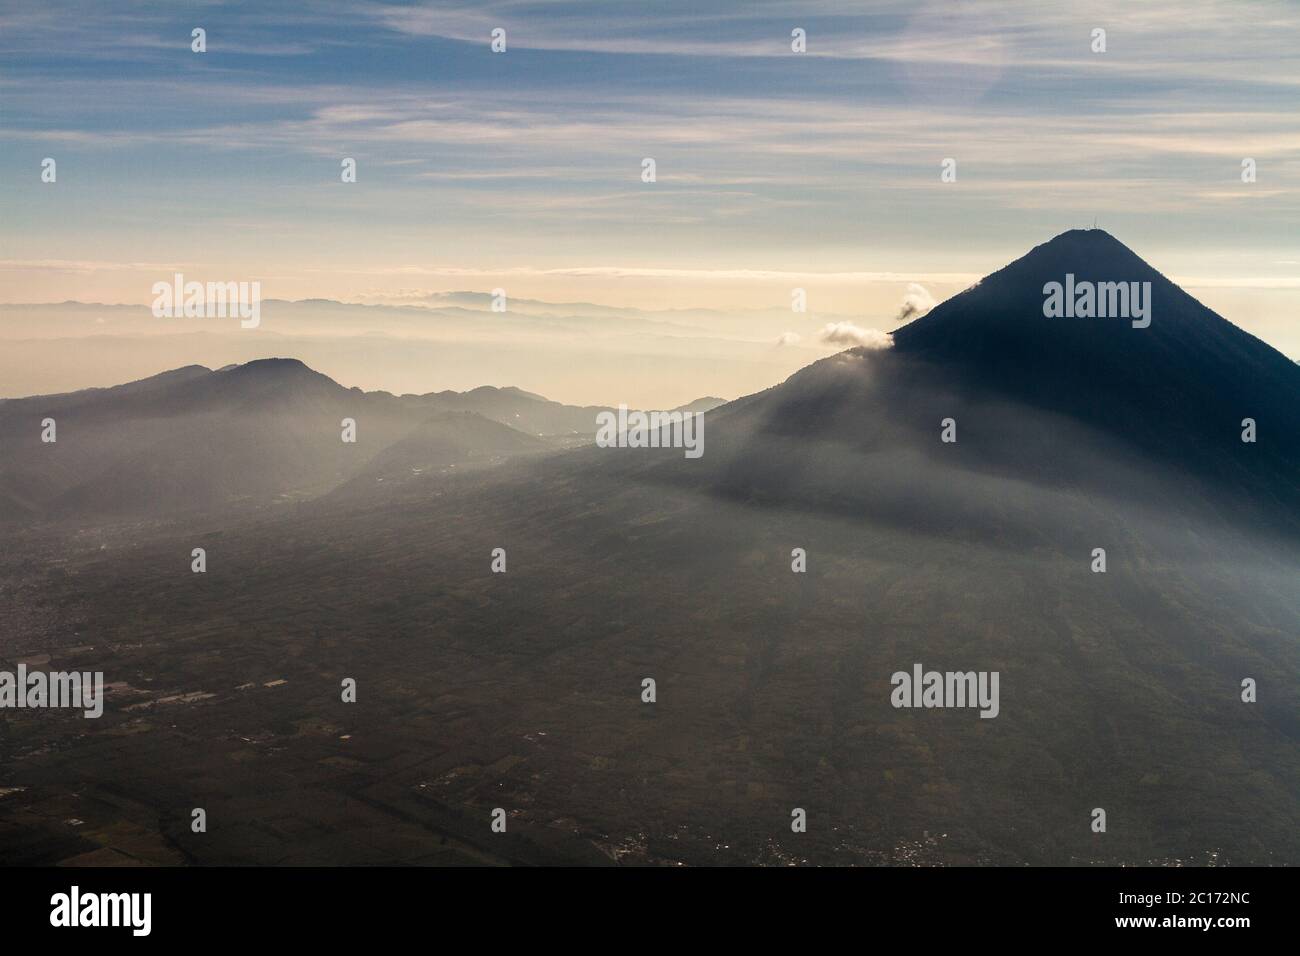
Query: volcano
[
  {"x": 1177, "y": 390},
  {"x": 1149, "y": 416}
]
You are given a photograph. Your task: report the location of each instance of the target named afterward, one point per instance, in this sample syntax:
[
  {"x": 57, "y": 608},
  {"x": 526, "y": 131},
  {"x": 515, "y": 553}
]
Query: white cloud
[
  {"x": 916, "y": 302},
  {"x": 846, "y": 333}
]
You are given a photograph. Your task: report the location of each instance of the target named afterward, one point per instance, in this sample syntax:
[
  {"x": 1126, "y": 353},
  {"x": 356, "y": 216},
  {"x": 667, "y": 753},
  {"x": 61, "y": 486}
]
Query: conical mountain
[
  {"x": 1177, "y": 388},
  {"x": 1112, "y": 405}
]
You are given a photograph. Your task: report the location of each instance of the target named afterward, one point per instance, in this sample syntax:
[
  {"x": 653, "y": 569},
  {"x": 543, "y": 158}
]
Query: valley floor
[{"x": 522, "y": 690}]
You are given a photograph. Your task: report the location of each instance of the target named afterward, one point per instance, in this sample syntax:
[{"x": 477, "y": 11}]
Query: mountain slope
[{"x": 197, "y": 440}]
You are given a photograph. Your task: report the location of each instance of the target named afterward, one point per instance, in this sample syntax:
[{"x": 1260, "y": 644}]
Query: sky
[{"x": 523, "y": 170}]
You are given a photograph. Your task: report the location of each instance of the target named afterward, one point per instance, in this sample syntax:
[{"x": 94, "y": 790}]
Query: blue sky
[{"x": 774, "y": 168}]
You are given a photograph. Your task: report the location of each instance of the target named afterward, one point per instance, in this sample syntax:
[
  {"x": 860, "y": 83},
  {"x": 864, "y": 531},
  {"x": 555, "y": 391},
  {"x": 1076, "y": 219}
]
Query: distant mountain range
[
  {"x": 575, "y": 353},
  {"x": 1089, "y": 403},
  {"x": 193, "y": 439}
]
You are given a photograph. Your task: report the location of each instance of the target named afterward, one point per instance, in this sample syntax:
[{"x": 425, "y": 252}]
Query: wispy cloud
[{"x": 527, "y": 163}]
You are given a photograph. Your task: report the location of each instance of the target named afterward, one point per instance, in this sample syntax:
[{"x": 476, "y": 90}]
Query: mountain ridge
[{"x": 267, "y": 430}]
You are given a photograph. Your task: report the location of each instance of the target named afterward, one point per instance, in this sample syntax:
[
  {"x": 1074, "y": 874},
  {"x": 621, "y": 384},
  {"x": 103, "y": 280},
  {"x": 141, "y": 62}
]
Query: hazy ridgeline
[
  {"x": 566, "y": 351},
  {"x": 1119, "y": 690},
  {"x": 267, "y": 432}
]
